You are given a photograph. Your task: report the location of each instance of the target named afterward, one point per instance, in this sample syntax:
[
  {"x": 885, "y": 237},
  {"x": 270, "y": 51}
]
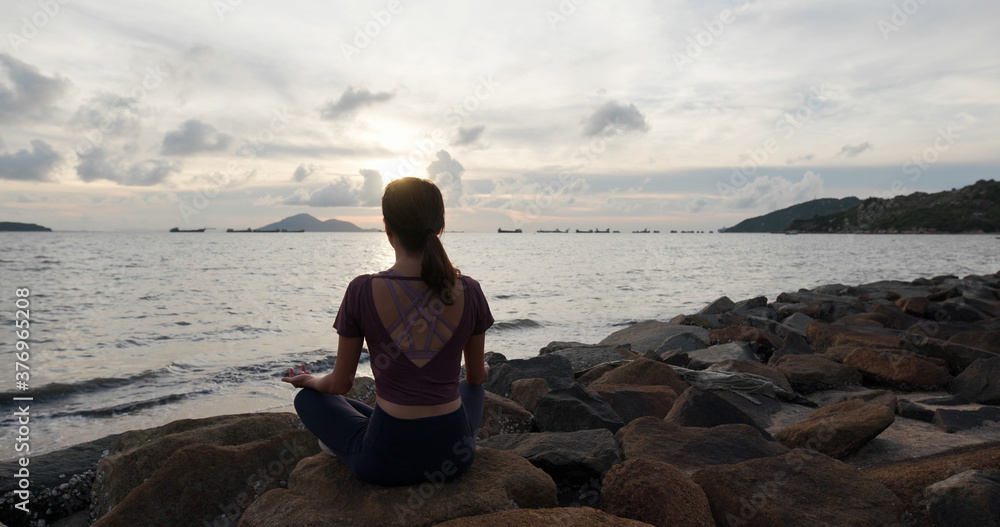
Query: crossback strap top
[{"x": 408, "y": 315}]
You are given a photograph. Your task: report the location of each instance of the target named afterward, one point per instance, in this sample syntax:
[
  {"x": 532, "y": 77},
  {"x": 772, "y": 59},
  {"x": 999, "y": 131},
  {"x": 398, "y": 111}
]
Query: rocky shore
[{"x": 876, "y": 404}]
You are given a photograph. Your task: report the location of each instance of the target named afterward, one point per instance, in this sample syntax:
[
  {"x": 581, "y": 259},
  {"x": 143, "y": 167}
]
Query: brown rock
[
  {"x": 956, "y": 355},
  {"x": 862, "y": 319},
  {"x": 322, "y": 491},
  {"x": 839, "y": 353},
  {"x": 705, "y": 409},
  {"x": 895, "y": 318},
  {"x": 648, "y": 335},
  {"x": 631, "y": 402},
  {"x": 810, "y": 373},
  {"x": 838, "y": 430},
  {"x": 798, "y": 488},
  {"x": 984, "y": 340},
  {"x": 362, "y": 390},
  {"x": 643, "y": 372},
  {"x": 656, "y": 493},
  {"x": 690, "y": 448},
  {"x": 908, "y": 479},
  {"x": 526, "y": 392},
  {"x": 503, "y": 416},
  {"x": 563, "y": 517},
  {"x": 594, "y": 373},
  {"x": 916, "y": 306},
  {"x": 204, "y": 483},
  {"x": 980, "y": 382},
  {"x": 823, "y": 336},
  {"x": 900, "y": 369},
  {"x": 754, "y": 368},
  {"x": 137, "y": 455},
  {"x": 766, "y": 340}
]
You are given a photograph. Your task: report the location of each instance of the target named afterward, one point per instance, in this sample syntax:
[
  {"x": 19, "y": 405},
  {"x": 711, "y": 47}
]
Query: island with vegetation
[
  {"x": 781, "y": 220},
  {"x": 22, "y": 227}
]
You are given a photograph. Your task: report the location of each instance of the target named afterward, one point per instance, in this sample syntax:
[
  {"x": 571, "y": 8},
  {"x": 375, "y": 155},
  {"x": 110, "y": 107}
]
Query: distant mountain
[
  {"x": 781, "y": 220},
  {"x": 14, "y": 226},
  {"x": 971, "y": 209},
  {"x": 310, "y": 224}
]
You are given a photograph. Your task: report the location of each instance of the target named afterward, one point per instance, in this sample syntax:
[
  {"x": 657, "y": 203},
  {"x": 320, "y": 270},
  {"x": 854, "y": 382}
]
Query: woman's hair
[{"x": 414, "y": 210}]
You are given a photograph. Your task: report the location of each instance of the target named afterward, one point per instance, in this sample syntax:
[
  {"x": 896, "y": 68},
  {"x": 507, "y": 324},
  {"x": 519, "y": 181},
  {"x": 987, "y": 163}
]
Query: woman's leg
[
  {"x": 472, "y": 401},
  {"x": 338, "y": 422}
]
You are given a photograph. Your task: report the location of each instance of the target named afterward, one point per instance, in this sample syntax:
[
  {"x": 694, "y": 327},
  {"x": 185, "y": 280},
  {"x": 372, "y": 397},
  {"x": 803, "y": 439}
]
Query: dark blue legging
[{"x": 386, "y": 450}]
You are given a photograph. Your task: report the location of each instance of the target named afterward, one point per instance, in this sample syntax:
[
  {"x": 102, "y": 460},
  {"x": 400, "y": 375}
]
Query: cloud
[
  {"x": 351, "y": 101},
  {"x": 370, "y": 194},
  {"x": 98, "y": 164},
  {"x": 697, "y": 205},
  {"x": 35, "y": 165},
  {"x": 793, "y": 160},
  {"x": 617, "y": 118},
  {"x": 303, "y": 172},
  {"x": 854, "y": 150},
  {"x": 446, "y": 173},
  {"x": 109, "y": 113},
  {"x": 24, "y": 92},
  {"x": 467, "y": 136},
  {"x": 342, "y": 192},
  {"x": 193, "y": 137},
  {"x": 774, "y": 193}
]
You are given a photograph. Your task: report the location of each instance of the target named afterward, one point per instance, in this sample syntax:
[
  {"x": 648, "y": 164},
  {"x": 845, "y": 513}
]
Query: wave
[
  {"x": 517, "y": 324},
  {"x": 135, "y": 406},
  {"x": 59, "y": 389}
]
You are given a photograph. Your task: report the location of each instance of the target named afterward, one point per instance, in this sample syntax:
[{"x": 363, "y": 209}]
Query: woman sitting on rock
[{"x": 418, "y": 317}]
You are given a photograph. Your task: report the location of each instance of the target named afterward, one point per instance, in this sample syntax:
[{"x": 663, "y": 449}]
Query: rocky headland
[{"x": 868, "y": 405}]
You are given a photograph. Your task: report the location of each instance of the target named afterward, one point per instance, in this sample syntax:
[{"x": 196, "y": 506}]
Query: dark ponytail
[{"x": 414, "y": 210}]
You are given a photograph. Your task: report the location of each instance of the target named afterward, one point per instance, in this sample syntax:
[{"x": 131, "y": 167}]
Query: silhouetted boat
[
  {"x": 552, "y": 232},
  {"x": 644, "y": 231},
  {"x": 175, "y": 229},
  {"x": 515, "y": 231},
  {"x": 591, "y": 231},
  {"x": 605, "y": 231}
]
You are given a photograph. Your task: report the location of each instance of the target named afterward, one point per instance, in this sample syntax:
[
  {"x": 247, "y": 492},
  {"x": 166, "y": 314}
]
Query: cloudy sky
[{"x": 664, "y": 114}]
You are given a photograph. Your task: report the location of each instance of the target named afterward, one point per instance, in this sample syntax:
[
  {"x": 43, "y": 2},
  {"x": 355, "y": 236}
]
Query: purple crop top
[{"x": 397, "y": 378}]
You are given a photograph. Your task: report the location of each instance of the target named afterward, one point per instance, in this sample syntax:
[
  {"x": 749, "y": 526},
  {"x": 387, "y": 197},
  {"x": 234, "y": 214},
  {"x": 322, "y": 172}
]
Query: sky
[{"x": 540, "y": 114}]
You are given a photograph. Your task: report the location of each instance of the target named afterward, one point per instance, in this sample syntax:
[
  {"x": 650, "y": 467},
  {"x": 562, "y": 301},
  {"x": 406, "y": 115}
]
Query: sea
[{"x": 133, "y": 330}]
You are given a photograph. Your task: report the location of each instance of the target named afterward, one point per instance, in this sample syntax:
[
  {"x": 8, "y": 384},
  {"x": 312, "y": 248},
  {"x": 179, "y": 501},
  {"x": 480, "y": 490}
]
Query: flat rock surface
[
  {"x": 798, "y": 488},
  {"x": 322, "y": 491},
  {"x": 838, "y": 429},
  {"x": 563, "y": 517},
  {"x": 650, "y": 334}
]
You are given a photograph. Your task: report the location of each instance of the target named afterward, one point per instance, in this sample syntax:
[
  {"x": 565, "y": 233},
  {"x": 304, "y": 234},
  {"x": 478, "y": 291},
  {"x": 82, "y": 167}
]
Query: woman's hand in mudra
[{"x": 298, "y": 379}]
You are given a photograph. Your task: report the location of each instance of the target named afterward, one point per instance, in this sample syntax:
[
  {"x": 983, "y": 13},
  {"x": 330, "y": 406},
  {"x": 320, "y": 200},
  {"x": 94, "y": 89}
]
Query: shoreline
[{"x": 856, "y": 327}]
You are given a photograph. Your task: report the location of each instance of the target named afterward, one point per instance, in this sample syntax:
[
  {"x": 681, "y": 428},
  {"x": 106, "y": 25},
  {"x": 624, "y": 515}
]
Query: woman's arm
[
  {"x": 342, "y": 379},
  {"x": 476, "y": 370}
]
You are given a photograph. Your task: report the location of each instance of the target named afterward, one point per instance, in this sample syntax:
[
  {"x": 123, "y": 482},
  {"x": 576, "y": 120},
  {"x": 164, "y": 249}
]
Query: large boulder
[
  {"x": 797, "y": 488},
  {"x": 690, "y": 448},
  {"x": 526, "y": 392},
  {"x": 632, "y": 401},
  {"x": 811, "y": 373},
  {"x": 576, "y": 461},
  {"x": 683, "y": 342},
  {"x": 701, "y": 359},
  {"x": 555, "y": 369},
  {"x": 718, "y": 307},
  {"x": 145, "y": 478},
  {"x": 643, "y": 372},
  {"x": 574, "y": 408},
  {"x": 798, "y": 321},
  {"x": 322, "y": 491},
  {"x": 656, "y": 493},
  {"x": 702, "y": 408},
  {"x": 838, "y": 430},
  {"x": 952, "y": 421},
  {"x": 583, "y": 357},
  {"x": 563, "y": 517},
  {"x": 908, "y": 479},
  {"x": 764, "y": 339},
  {"x": 823, "y": 336},
  {"x": 753, "y": 368},
  {"x": 967, "y": 499},
  {"x": 899, "y": 369},
  {"x": 957, "y": 356},
  {"x": 503, "y": 416},
  {"x": 649, "y": 335},
  {"x": 980, "y": 382},
  {"x": 984, "y": 340}
]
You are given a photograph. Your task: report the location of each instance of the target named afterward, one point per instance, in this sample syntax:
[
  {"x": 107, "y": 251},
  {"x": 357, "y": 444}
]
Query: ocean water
[{"x": 133, "y": 330}]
